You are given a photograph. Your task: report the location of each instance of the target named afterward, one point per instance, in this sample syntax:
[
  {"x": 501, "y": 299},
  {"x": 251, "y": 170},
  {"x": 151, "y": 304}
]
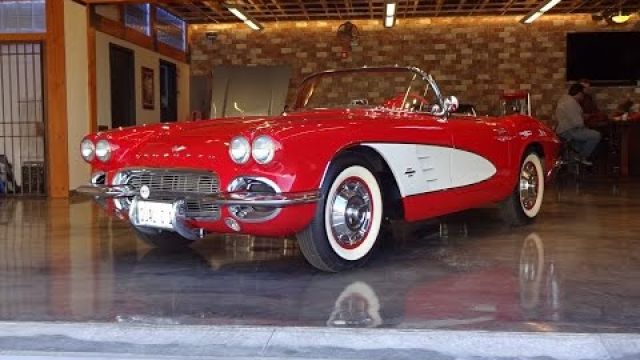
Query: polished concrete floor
[{"x": 576, "y": 269}]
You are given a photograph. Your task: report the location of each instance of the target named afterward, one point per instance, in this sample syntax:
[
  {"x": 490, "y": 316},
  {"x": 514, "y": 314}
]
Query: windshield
[{"x": 392, "y": 88}]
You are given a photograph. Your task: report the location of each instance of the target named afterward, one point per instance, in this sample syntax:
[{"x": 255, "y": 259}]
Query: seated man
[
  {"x": 592, "y": 115},
  {"x": 571, "y": 123}
]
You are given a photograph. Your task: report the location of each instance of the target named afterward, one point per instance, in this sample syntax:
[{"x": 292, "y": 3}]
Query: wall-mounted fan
[{"x": 348, "y": 36}]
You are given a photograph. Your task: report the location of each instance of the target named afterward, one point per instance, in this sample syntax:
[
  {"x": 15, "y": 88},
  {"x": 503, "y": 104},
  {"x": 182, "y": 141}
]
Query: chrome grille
[
  {"x": 178, "y": 181},
  {"x": 174, "y": 181}
]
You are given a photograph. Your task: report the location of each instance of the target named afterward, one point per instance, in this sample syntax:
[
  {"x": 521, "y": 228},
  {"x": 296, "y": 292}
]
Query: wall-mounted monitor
[{"x": 611, "y": 57}]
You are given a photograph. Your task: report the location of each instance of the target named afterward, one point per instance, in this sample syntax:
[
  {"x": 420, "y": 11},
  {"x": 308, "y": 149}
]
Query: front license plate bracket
[{"x": 153, "y": 214}]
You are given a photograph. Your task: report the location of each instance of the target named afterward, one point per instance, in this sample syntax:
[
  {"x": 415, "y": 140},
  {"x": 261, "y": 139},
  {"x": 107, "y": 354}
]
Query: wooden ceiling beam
[
  {"x": 277, "y": 4},
  {"x": 439, "y": 7},
  {"x": 275, "y": 10},
  {"x": 107, "y": 2},
  {"x": 304, "y": 9},
  {"x": 415, "y": 6},
  {"x": 199, "y": 11},
  {"x": 215, "y": 6},
  {"x": 507, "y": 7}
]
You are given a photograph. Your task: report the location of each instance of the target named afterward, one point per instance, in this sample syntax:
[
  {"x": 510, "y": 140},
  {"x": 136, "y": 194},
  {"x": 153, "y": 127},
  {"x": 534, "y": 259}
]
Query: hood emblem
[{"x": 178, "y": 148}]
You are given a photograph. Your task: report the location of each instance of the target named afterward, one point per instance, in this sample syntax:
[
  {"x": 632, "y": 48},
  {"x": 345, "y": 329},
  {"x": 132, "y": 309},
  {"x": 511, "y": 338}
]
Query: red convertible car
[{"x": 358, "y": 147}]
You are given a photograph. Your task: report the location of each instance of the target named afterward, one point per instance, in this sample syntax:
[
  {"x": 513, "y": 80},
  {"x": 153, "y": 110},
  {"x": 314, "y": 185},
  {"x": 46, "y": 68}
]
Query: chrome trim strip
[
  {"x": 104, "y": 191},
  {"x": 260, "y": 199},
  {"x": 226, "y": 198}
]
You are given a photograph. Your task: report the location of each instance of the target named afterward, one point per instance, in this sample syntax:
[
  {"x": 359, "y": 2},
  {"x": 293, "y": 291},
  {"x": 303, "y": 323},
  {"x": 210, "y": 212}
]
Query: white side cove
[{"x": 426, "y": 168}]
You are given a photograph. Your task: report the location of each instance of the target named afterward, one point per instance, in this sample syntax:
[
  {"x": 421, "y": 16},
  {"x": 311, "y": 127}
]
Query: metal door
[{"x": 22, "y": 120}]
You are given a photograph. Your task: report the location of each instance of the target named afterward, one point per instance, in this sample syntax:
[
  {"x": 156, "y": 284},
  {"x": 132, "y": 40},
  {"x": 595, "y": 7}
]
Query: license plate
[{"x": 155, "y": 214}]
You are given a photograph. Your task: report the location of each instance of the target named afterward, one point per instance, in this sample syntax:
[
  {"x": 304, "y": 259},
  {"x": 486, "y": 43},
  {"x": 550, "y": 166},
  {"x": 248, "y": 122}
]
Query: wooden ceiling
[{"x": 212, "y": 11}]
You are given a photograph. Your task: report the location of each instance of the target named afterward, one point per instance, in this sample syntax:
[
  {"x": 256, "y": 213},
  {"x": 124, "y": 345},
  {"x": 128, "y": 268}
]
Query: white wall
[
  {"x": 143, "y": 57},
  {"x": 77, "y": 70}
]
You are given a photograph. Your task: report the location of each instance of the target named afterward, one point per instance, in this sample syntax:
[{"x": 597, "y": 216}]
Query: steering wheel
[{"x": 413, "y": 102}]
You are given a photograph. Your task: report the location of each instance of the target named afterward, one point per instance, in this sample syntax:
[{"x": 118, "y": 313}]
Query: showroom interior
[{"x": 77, "y": 281}]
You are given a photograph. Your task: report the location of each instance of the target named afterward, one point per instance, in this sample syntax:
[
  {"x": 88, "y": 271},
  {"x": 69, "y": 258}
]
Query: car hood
[
  {"x": 282, "y": 126},
  {"x": 168, "y": 144}
]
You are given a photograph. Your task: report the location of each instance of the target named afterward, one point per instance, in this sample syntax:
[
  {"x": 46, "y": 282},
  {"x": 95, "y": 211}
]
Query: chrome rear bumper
[{"x": 224, "y": 198}]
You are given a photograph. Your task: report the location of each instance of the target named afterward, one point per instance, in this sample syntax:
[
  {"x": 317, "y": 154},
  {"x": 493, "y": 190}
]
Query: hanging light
[
  {"x": 620, "y": 18},
  {"x": 242, "y": 15},
  {"x": 390, "y": 8},
  {"x": 535, "y": 14}
]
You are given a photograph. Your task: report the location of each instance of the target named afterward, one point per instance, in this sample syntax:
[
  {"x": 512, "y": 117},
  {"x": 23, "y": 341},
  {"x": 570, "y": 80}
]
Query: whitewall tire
[
  {"x": 347, "y": 223},
  {"x": 525, "y": 202},
  {"x": 353, "y": 213},
  {"x": 531, "y": 185}
]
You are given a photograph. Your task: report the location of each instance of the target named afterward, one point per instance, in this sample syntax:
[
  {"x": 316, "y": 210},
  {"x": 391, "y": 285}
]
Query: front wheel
[
  {"x": 347, "y": 221},
  {"x": 526, "y": 200}
]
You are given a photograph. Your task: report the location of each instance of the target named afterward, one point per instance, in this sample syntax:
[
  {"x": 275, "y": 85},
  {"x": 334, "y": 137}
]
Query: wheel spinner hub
[
  {"x": 351, "y": 213},
  {"x": 529, "y": 182}
]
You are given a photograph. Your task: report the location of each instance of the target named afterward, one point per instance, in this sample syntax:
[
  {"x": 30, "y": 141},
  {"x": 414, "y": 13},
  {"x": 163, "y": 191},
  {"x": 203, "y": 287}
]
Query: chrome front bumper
[{"x": 224, "y": 198}]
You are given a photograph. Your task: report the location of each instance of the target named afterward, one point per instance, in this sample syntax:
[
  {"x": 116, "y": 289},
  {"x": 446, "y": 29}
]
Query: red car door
[{"x": 483, "y": 161}]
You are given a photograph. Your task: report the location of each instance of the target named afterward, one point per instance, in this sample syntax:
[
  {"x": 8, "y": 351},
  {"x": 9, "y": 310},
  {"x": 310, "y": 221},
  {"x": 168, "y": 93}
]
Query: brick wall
[{"x": 474, "y": 58}]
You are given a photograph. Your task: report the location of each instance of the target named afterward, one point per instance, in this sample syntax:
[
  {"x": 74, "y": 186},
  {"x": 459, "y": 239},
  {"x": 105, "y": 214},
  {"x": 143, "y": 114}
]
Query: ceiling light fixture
[
  {"x": 620, "y": 18},
  {"x": 535, "y": 14},
  {"x": 241, "y": 14},
  {"x": 390, "y": 13}
]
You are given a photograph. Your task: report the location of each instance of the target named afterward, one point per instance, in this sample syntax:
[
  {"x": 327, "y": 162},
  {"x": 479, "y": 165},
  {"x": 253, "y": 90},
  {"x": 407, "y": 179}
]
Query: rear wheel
[
  {"x": 161, "y": 239},
  {"x": 526, "y": 200},
  {"x": 347, "y": 222}
]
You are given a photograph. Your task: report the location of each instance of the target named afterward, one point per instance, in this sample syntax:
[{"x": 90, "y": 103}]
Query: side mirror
[{"x": 451, "y": 104}]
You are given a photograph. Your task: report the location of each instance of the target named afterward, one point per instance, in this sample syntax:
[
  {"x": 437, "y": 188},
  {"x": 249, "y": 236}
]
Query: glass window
[
  {"x": 136, "y": 16},
  {"x": 20, "y": 16},
  {"x": 170, "y": 29}
]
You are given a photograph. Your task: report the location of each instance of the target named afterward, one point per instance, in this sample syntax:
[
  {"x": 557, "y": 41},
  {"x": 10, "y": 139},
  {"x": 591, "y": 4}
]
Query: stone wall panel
[{"x": 474, "y": 58}]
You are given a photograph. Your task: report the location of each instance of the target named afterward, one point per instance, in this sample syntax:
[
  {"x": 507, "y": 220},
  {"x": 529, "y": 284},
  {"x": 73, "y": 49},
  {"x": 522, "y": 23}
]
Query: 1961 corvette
[{"x": 358, "y": 147}]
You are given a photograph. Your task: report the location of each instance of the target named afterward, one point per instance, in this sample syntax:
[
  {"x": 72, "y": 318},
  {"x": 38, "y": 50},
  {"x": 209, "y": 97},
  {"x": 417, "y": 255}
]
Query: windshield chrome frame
[{"x": 300, "y": 99}]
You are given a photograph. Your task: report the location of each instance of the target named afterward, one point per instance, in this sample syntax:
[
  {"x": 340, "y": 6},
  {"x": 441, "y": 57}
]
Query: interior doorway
[
  {"x": 122, "y": 73},
  {"x": 22, "y": 120},
  {"x": 168, "y": 91}
]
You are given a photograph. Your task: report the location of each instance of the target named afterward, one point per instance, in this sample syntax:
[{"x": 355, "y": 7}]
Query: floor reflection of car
[{"x": 423, "y": 293}]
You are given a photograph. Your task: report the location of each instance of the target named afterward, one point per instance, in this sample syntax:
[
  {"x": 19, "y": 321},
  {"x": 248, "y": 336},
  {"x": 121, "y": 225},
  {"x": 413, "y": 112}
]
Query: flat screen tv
[{"x": 605, "y": 57}]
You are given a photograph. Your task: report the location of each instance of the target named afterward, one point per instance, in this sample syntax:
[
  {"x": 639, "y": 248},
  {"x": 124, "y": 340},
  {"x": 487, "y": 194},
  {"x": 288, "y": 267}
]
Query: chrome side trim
[
  {"x": 226, "y": 198},
  {"x": 104, "y": 191}
]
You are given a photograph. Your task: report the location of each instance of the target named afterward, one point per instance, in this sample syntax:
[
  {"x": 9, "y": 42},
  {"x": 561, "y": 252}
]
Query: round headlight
[
  {"x": 264, "y": 149},
  {"x": 87, "y": 150},
  {"x": 103, "y": 150},
  {"x": 239, "y": 149}
]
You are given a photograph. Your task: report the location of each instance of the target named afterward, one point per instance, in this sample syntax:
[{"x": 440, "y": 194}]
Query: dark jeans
[{"x": 583, "y": 139}]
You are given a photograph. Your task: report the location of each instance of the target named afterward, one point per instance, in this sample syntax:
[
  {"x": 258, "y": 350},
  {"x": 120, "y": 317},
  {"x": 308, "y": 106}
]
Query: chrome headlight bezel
[
  {"x": 87, "y": 150},
  {"x": 263, "y": 149},
  {"x": 239, "y": 150},
  {"x": 103, "y": 150}
]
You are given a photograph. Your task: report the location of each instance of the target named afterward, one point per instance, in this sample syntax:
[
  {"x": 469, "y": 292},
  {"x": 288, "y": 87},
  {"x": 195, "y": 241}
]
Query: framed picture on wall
[{"x": 148, "y": 93}]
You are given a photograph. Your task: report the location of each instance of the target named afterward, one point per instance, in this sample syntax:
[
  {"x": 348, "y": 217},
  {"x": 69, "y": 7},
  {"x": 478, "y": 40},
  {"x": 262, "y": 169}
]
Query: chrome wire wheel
[
  {"x": 531, "y": 186},
  {"x": 351, "y": 213}
]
